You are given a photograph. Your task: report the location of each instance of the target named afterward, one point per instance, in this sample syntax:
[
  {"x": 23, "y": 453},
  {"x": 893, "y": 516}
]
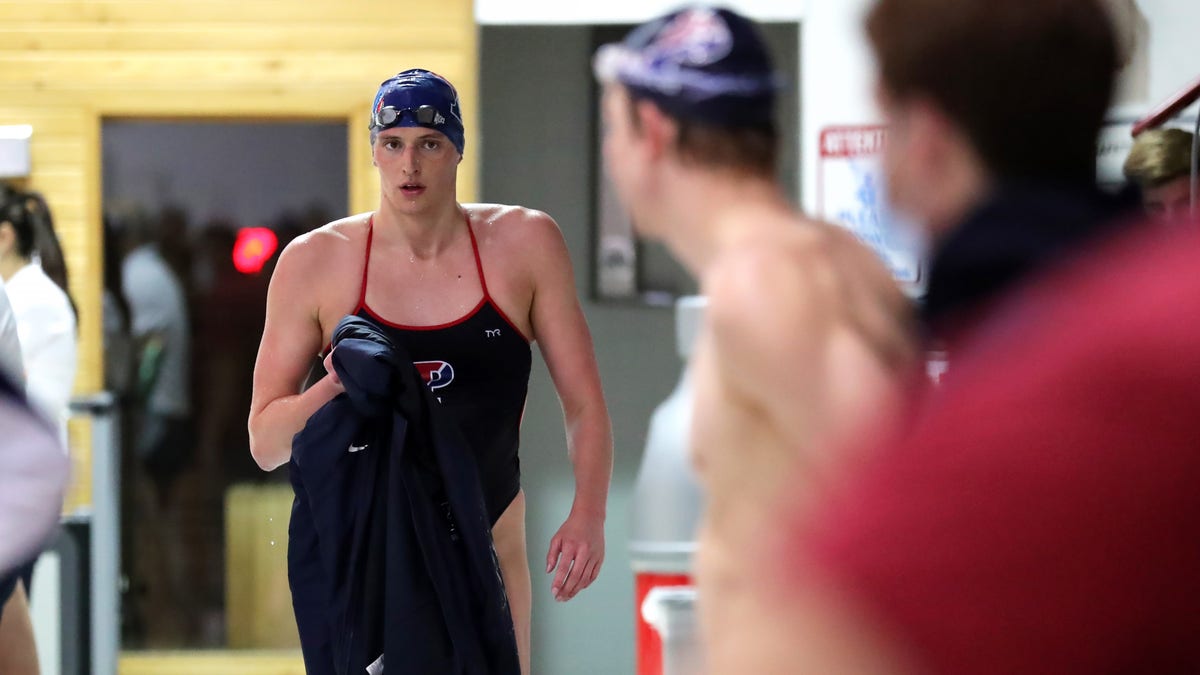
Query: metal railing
[{"x": 104, "y": 551}]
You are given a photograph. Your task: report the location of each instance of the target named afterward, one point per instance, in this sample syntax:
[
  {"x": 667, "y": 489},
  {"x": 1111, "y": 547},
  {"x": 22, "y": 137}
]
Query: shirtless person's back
[
  {"x": 804, "y": 336},
  {"x": 806, "y": 333}
]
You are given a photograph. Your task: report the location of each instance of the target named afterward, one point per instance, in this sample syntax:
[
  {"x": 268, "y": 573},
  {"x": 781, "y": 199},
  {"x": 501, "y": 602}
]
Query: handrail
[{"x": 1169, "y": 108}]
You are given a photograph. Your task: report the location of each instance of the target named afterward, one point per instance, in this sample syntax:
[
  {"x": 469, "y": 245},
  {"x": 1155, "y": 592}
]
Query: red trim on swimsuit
[{"x": 485, "y": 300}]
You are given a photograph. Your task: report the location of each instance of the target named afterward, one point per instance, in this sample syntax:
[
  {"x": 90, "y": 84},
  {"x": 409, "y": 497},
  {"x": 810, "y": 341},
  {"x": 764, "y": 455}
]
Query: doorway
[{"x": 195, "y": 215}]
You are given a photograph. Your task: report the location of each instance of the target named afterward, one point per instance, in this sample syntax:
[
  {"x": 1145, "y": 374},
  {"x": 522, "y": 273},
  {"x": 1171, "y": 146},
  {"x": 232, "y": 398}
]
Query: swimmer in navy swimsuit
[
  {"x": 465, "y": 288},
  {"x": 485, "y": 388}
]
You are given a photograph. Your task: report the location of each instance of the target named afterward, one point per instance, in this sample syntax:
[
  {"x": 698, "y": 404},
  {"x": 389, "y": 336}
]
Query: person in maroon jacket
[{"x": 1041, "y": 514}]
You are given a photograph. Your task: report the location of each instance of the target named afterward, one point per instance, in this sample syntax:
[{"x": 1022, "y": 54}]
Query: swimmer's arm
[
  {"x": 291, "y": 338},
  {"x": 566, "y": 345}
]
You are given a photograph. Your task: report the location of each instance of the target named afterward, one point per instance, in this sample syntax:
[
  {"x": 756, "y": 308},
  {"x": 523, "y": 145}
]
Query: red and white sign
[
  {"x": 851, "y": 193},
  {"x": 852, "y": 141}
]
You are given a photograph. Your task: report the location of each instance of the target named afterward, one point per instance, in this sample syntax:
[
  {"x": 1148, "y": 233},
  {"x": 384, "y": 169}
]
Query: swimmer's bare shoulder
[
  {"x": 765, "y": 312},
  {"x": 776, "y": 299},
  {"x": 528, "y": 250},
  {"x": 774, "y": 272},
  {"x": 517, "y": 229},
  {"x": 320, "y": 270},
  {"x": 870, "y": 302}
]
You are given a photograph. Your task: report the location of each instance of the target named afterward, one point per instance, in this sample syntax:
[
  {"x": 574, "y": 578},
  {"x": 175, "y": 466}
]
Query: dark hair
[
  {"x": 15, "y": 212},
  {"x": 1028, "y": 81},
  {"x": 750, "y": 149},
  {"x": 30, "y": 218}
]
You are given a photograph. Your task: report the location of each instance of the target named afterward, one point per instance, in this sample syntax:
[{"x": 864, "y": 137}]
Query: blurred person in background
[
  {"x": 162, "y": 344},
  {"x": 35, "y": 279},
  {"x": 1160, "y": 165},
  {"x": 35, "y": 282},
  {"x": 969, "y": 122},
  {"x": 161, "y": 329},
  {"x": 806, "y": 334},
  {"x": 1038, "y": 511},
  {"x": 162, "y": 439},
  {"x": 1039, "y": 514}
]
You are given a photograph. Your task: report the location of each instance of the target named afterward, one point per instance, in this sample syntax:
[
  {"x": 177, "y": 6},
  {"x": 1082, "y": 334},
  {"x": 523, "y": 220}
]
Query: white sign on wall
[
  {"x": 851, "y": 193},
  {"x": 14, "y": 150}
]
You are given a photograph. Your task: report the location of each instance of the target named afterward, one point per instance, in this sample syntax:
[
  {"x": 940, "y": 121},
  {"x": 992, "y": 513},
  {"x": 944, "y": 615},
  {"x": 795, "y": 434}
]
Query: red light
[{"x": 253, "y": 248}]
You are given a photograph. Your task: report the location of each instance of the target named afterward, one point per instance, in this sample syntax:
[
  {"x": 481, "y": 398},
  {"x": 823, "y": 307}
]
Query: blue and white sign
[{"x": 851, "y": 193}]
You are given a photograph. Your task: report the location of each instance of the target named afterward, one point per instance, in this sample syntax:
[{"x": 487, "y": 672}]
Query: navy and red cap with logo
[
  {"x": 707, "y": 64},
  {"x": 419, "y": 98}
]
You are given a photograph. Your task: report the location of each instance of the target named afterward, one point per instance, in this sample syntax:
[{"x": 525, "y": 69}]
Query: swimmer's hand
[{"x": 577, "y": 549}]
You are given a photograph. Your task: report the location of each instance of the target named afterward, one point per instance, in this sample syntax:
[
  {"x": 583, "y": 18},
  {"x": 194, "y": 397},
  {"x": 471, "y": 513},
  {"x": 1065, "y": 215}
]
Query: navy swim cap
[
  {"x": 419, "y": 98},
  {"x": 705, "y": 64}
]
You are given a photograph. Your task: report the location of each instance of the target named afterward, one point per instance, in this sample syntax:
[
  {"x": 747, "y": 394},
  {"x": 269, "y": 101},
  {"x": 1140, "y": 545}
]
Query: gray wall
[{"x": 537, "y": 150}]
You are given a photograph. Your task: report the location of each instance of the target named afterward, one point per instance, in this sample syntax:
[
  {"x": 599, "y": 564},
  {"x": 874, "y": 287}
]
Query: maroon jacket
[{"x": 1042, "y": 514}]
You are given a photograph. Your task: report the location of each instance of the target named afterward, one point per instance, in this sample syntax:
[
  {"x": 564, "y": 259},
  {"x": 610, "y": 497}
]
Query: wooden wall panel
[
  {"x": 204, "y": 36},
  {"x": 397, "y": 16}
]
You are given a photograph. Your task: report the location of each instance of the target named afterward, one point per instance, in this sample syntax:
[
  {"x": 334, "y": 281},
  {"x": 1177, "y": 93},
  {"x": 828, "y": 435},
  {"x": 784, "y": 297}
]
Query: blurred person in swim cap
[{"x": 806, "y": 331}]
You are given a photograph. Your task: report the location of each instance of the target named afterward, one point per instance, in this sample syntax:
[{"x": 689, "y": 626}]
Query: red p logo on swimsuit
[{"x": 437, "y": 374}]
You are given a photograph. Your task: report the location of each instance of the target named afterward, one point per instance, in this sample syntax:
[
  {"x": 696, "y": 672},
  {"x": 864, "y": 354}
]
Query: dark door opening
[{"x": 196, "y": 212}]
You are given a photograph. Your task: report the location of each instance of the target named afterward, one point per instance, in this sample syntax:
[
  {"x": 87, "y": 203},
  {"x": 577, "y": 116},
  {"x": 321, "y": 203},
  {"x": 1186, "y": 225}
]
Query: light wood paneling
[
  {"x": 200, "y": 36},
  {"x": 212, "y": 663},
  {"x": 256, "y": 590},
  {"x": 400, "y": 17}
]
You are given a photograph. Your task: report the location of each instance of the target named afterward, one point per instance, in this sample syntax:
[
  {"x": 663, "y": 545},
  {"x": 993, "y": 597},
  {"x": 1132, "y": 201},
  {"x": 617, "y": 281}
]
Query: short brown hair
[
  {"x": 1159, "y": 156},
  {"x": 749, "y": 149},
  {"x": 1028, "y": 81}
]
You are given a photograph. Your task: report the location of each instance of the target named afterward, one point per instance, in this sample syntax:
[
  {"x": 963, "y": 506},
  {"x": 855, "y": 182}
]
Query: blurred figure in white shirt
[
  {"x": 43, "y": 311},
  {"x": 10, "y": 345},
  {"x": 160, "y": 327},
  {"x": 35, "y": 281},
  {"x": 162, "y": 437}
]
